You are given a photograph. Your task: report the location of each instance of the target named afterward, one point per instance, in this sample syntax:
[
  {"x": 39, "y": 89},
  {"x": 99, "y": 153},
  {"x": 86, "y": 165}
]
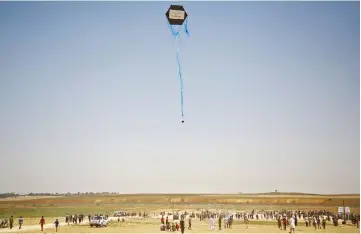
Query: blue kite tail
[
  {"x": 180, "y": 76},
  {"x": 186, "y": 27},
  {"x": 176, "y": 34}
]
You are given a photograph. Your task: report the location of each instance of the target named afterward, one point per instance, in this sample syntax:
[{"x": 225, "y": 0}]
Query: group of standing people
[
  {"x": 11, "y": 222},
  {"x": 20, "y": 222},
  {"x": 41, "y": 222},
  {"x": 315, "y": 221},
  {"x": 174, "y": 226},
  {"x": 75, "y": 219}
]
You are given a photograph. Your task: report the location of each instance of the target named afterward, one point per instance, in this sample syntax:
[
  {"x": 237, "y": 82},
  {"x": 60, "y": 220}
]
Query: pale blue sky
[{"x": 90, "y": 90}]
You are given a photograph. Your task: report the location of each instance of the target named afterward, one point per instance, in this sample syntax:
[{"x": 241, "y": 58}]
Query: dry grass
[
  {"x": 32, "y": 208},
  {"x": 59, "y": 206},
  {"x": 152, "y": 226}
]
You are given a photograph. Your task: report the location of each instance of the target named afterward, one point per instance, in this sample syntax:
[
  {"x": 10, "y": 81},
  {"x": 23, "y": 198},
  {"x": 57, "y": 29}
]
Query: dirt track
[
  {"x": 46, "y": 226},
  {"x": 33, "y": 227}
]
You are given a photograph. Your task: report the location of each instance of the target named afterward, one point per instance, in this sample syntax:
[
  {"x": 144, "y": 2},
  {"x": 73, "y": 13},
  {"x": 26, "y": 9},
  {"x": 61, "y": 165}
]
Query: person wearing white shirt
[
  {"x": 211, "y": 223},
  {"x": 292, "y": 225}
]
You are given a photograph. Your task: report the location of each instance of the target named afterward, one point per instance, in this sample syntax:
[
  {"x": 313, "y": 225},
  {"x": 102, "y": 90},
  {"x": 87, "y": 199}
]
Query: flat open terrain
[
  {"x": 60, "y": 206},
  {"x": 32, "y": 208},
  {"x": 152, "y": 226}
]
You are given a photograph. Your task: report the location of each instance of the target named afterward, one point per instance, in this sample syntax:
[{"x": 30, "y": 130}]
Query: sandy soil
[
  {"x": 31, "y": 208},
  {"x": 152, "y": 226},
  {"x": 32, "y": 228}
]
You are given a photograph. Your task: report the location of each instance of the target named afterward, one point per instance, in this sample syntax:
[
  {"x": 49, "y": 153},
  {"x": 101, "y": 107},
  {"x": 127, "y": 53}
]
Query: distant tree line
[
  {"x": 9, "y": 195},
  {"x": 6, "y": 195}
]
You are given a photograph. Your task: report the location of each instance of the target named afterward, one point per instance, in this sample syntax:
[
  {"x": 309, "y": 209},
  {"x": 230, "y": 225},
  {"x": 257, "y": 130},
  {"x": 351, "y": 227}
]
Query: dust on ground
[{"x": 152, "y": 226}]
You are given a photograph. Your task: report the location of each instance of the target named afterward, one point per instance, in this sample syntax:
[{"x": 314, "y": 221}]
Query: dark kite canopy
[{"x": 176, "y": 21}]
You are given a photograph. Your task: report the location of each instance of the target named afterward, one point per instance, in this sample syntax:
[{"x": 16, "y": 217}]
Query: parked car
[{"x": 98, "y": 221}]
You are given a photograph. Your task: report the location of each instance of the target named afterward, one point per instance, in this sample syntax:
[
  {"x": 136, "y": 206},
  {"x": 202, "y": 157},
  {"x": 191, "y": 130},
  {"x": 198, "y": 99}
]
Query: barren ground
[{"x": 32, "y": 208}]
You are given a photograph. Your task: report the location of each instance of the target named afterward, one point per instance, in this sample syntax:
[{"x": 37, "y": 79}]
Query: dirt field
[
  {"x": 32, "y": 208},
  {"x": 59, "y": 206},
  {"x": 152, "y": 226}
]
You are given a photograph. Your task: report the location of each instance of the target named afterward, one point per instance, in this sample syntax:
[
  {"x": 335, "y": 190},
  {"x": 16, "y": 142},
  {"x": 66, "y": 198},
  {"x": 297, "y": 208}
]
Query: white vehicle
[
  {"x": 119, "y": 214},
  {"x": 98, "y": 221}
]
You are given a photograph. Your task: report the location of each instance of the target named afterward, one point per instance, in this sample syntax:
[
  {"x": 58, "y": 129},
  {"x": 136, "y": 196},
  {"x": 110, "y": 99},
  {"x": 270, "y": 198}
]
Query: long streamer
[
  {"x": 180, "y": 77},
  {"x": 177, "y": 42}
]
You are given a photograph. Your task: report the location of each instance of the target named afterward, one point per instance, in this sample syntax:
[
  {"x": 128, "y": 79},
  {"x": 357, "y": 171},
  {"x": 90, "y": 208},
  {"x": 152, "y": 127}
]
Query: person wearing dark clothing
[
  {"x": 11, "y": 222},
  {"x": 279, "y": 223},
  {"x": 318, "y": 223},
  {"x": 220, "y": 223},
  {"x": 21, "y": 220},
  {"x": 323, "y": 223},
  {"x": 182, "y": 226},
  {"x": 56, "y": 225}
]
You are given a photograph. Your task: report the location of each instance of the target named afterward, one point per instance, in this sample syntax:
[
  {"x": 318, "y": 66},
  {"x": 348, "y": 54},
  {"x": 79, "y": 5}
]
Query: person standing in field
[
  {"x": 314, "y": 222},
  {"x": 56, "y": 225},
  {"x": 230, "y": 221},
  {"x": 190, "y": 223},
  {"x": 279, "y": 222},
  {"x": 11, "y": 222},
  {"x": 292, "y": 225},
  {"x": 306, "y": 221},
  {"x": 220, "y": 222},
  {"x": 42, "y": 222},
  {"x": 182, "y": 225},
  {"x": 246, "y": 221},
  {"x": 162, "y": 220},
  {"x": 318, "y": 222},
  {"x": 21, "y": 220},
  {"x": 284, "y": 223},
  {"x": 324, "y": 223},
  {"x": 211, "y": 223}
]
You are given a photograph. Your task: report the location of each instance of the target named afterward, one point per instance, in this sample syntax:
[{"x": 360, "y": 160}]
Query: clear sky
[{"x": 89, "y": 98}]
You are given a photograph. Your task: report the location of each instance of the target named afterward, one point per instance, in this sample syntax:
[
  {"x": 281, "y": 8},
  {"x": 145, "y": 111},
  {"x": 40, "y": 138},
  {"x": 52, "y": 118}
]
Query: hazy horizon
[
  {"x": 89, "y": 98},
  {"x": 260, "y": 193}
]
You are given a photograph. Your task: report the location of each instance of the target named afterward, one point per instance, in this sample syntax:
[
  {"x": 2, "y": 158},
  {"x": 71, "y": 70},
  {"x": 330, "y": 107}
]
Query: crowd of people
[
  {"x": 284, "y": 218},
  {"x": 130, "y": 214}
]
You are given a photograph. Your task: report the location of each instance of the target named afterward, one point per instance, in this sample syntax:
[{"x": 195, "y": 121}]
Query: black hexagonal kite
[{"x": 176, "y": 15}]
